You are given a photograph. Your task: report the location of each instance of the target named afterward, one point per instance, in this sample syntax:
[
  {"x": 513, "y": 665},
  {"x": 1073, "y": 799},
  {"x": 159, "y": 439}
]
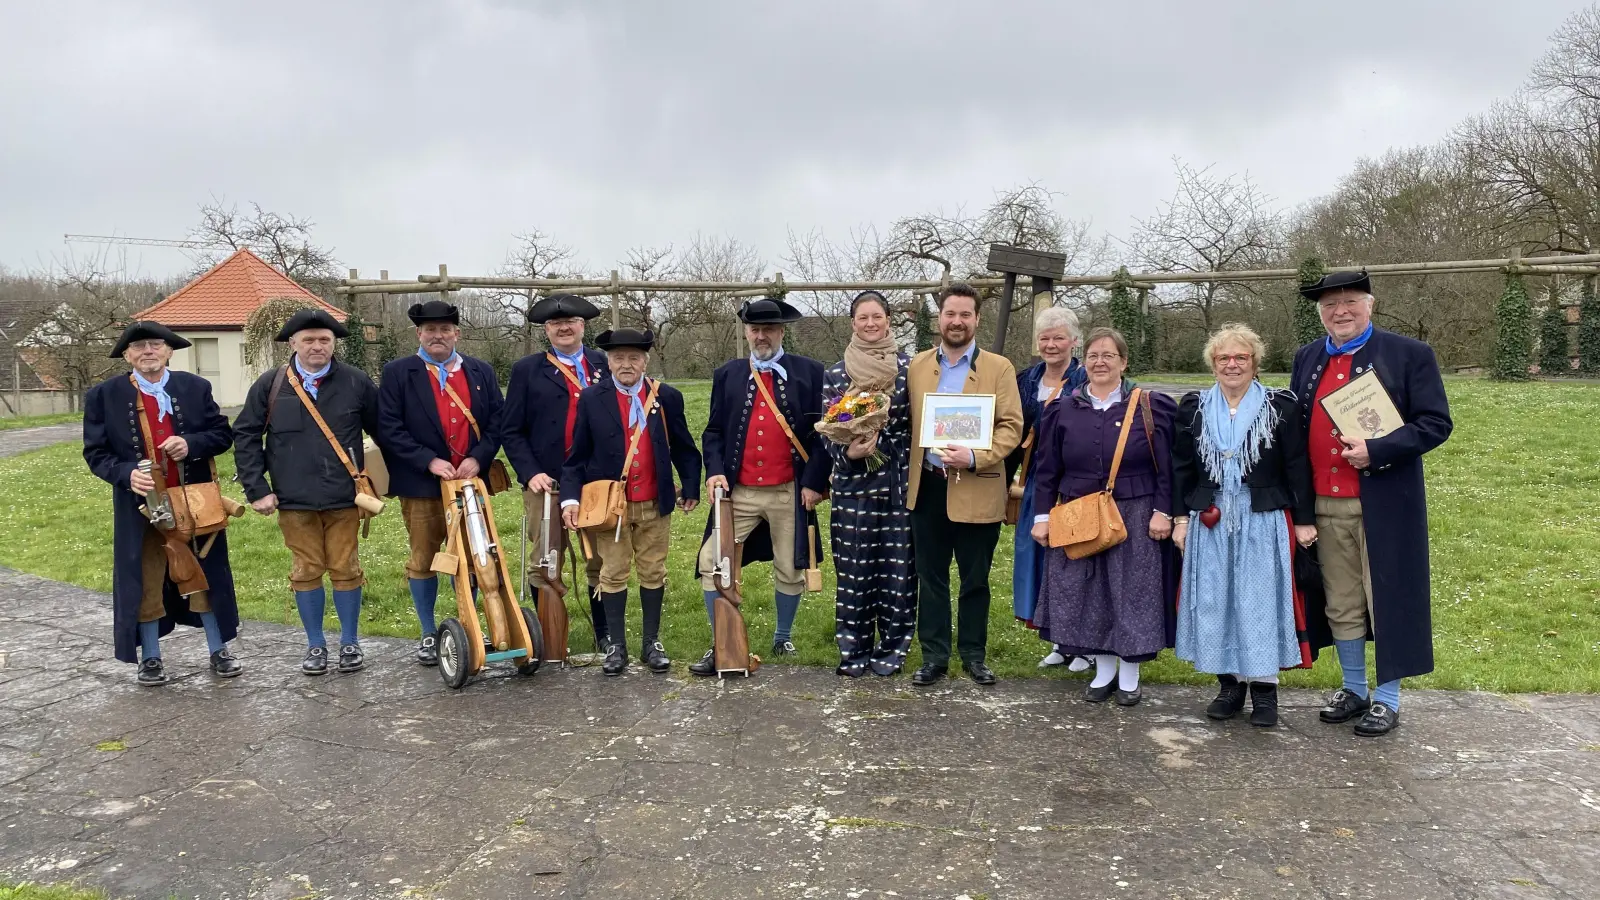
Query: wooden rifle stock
[
  {"x": 552, "y": 596},
  {"x": 730, "y": 641}
]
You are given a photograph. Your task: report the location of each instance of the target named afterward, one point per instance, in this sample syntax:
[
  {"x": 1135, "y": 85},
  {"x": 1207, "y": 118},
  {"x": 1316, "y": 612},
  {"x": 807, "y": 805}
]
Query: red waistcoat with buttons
[
  {"x": 1331, "y": 476},
  {"x": 574, "y": 382},
  {"x": 160, "y": 430},
  {"x": 457, "y": 430},
  {"x": 766, "y": 459},
  {"x": 641, "y": 475}
]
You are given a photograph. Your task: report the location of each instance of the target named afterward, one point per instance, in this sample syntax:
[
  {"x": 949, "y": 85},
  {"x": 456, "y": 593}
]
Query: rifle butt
[
  {"x": 553, "y": 622},
  {"x": 730, "y": 641}
]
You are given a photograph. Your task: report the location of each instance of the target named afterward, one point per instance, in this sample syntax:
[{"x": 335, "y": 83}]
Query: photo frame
[{"x": 965, "y": 420}]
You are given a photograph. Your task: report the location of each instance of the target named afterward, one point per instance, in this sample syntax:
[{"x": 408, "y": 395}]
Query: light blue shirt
[{"x": 953, "y": 379}]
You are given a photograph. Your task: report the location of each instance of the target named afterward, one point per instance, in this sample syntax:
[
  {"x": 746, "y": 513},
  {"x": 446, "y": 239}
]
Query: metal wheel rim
[{"x": 449, "y": 654}]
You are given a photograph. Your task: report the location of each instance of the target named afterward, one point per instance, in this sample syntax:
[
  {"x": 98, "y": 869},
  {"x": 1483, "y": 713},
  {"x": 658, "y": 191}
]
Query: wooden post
[
  {"x": 616, "y": 301},
  {"x": 1007, "y": 291},
  {"x": 383, "y": 302}
]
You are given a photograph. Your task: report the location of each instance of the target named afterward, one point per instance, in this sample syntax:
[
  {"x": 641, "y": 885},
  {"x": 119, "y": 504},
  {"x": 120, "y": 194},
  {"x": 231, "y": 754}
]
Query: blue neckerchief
[
  {"x": 575, "y": 361},
  {"x": 1231, "y": 445},
  {"x": 1352, "y": 345},
  {"x": 635, "y": 405},
  {"x": 158, "y": 390},
  {"x": 309, "y": 380},
  {"x": 770, "y": 365},
  {"x": 442, "y": 368}
]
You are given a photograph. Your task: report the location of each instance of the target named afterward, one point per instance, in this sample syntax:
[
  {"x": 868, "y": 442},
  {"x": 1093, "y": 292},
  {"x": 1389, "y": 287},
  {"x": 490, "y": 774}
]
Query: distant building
[{"x": 29, "y": 385}]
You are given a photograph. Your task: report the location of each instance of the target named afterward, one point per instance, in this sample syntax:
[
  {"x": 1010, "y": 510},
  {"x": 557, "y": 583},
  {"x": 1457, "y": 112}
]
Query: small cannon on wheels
[{"x": 472, "y": 556}]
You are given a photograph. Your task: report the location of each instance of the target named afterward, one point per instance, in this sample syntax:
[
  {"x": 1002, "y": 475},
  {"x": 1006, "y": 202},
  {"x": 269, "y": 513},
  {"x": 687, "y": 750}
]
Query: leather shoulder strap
[
  {"x": 158, "y": 462},
  {"x": 783, "y": 421},
  {"x": 1148, "y": 418},
  {"x": 633, "y": 439},
  {"x": 571, "y": 378},
  {"x": 272, "y": 396},
  {"x": 456, "y": 399},
  {"x": 1122, "y": 439},
  {"x": 1028, "y": 442},
  {"x": 294, "y": 382}
]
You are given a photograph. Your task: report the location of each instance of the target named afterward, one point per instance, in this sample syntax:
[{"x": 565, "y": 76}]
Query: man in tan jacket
[{"x": 957, "y": 496}]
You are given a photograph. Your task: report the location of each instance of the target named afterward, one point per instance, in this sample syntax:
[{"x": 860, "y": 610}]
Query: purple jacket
[{"x": 1077, "y": 442}]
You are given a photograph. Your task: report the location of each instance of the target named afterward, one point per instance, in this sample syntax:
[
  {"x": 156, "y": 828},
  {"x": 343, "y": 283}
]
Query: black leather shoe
[
  {"x": 428, "y": 650},
  {"x": 929, "y": 674},
  {"x": 1379, "y": 720},
  {"x": 1230, "y": 698},
  {"x": 223, "y": 665},
  {"x": 152, "y": 673},
  {"x": 1129, "y": 698},
  {"x": 980, "y": 673},
  {"x": 351, "y": 659},
  {"x": 616, "y": 659},
  {"x": 783, "y": 648},
  {"x": 316, "y": 661},
  {"x": 1343, "y": 706},
  {"x": 706, "y": 667},
  {"x": 655, "y": 656},
  {"x": 1100, "y": 694},
  {"x": 1263, "y": 704}
]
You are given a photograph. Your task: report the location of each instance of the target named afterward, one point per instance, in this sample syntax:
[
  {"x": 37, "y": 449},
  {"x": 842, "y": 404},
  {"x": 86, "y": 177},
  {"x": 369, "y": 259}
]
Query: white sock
[
  {"x": 1078, "y": 664},
  {"x": 1262, "y": 679},
  {"x": 1128, "y": 676},
  {"x": 1105, "y": 669}
]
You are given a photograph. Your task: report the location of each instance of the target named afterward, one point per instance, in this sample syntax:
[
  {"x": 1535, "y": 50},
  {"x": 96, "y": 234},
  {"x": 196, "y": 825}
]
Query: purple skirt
[{"x": 1117, "y": 602}]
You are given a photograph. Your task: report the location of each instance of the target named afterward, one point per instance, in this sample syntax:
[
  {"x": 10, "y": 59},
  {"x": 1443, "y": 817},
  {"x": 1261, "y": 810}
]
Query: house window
[{"x": 207, "y": 361}]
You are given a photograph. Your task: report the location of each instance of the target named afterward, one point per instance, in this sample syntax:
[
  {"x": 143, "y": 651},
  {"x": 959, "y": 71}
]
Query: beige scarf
[{"x": 872, "y": 365}]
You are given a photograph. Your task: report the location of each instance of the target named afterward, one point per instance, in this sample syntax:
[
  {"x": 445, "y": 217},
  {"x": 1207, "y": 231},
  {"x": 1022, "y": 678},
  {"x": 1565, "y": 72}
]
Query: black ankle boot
[
  {"x": 1263, "y": 704},
  {"x": 1230, "y": 699}
]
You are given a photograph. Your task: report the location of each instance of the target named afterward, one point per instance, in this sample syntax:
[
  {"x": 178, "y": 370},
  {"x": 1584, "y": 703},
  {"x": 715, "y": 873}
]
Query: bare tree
[
  {"x": 536, "y": 254},
  {"x": 709, "y": 326},
  {"x": 282, "y": 241},
  {"x": 73, "y": 341}
]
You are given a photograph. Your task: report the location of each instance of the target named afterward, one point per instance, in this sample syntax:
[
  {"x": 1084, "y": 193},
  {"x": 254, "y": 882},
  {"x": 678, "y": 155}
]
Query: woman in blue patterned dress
[
  {"x": 1240, "y": 480},
  {"x": 876, "y": 606}
]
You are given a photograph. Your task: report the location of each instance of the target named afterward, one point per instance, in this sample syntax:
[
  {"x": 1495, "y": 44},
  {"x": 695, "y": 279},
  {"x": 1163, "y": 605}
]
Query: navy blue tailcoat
[{"x": 409, "y": 430}]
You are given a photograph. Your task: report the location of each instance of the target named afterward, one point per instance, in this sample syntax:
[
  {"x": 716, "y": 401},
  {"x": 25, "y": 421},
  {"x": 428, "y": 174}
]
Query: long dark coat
[
  {"x": 600, "y": 444},
  {"x": 733, "y": 396},
  {"x": 409, "y": 430},
  {"x": 112, "y": 446},
  {"x": 1394, "y": 504},
  {"x": 533, "y": 423}
]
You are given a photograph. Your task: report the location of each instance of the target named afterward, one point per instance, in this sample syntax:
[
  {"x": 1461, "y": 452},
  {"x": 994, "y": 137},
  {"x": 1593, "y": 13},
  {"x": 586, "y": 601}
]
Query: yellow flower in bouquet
[{"x": 856, "y": 415}]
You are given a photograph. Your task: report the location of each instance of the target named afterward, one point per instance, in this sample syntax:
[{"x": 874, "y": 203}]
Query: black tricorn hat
[
  {"x": 768, "y": 311},
  {"x": 141, "y": 331},
  {"x": 561, "y": 306},
  {"x": 434, "y": 311},
  {"x": 620, "y": 338},
  {"x": 310, "y": 318},
  {"x": 1338, "y": 281}
]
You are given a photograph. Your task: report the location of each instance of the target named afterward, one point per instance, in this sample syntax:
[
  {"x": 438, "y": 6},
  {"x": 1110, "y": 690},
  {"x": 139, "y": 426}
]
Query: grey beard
[{"x": 764, "y": 355}]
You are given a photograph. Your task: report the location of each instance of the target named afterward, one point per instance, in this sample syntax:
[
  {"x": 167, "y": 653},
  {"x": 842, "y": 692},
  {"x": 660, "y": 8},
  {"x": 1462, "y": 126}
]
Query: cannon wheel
[
  {"x": 454, "y": 657},
  {"x": 536, "y": 638}
]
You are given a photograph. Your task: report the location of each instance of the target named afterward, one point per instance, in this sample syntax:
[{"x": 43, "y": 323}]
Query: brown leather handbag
[
  {"x": 1092, "y": 523},
  {"x": 604, "y": 503}
]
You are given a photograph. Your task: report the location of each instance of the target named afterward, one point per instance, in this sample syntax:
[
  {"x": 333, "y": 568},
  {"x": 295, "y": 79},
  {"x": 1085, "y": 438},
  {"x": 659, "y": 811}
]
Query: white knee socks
[
  {"x": 1128, "y": 676},
  {"x": 1105, "y": 669}
]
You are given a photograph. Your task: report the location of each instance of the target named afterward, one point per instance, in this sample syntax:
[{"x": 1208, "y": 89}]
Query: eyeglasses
[
  {"x": 1341, "y": 303},
  {"x": 1103, "y": 357},
  {"x": 151, "y": 344},
  {"x": 1242, "y": 359}
]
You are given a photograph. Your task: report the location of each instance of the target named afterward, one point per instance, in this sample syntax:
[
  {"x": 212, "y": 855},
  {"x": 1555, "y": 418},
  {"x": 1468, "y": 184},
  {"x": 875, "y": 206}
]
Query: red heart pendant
[{"x": 1210, "y": 516}]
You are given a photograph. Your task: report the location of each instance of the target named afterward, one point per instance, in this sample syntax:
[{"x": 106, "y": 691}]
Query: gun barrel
[{"x": 478, "y": 541}]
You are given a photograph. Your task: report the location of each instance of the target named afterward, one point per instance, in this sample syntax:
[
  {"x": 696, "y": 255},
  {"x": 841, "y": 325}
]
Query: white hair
[{"x": 1056, "y": 317}]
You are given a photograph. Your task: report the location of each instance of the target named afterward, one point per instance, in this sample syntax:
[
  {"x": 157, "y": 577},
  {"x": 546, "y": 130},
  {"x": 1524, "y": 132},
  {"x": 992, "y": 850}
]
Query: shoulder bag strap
[
  {"x": 1027, "y": 442},
  {"x": 456, "y": 399},
  {"x": 1149, "y": 426},
  {"x": 783, "y": 421},
  {"x": 633, "y": 440},
  {"x": 294, "y": 382},
  {"x": 1122, "y": 439},
  {"x": 563, "y": 370},
  {"x": 272, "y": 398},
  {"x": 158, "y": 463}
]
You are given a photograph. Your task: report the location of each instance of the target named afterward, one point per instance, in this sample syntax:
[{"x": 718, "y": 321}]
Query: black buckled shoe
[
  {"x": 223, "y": 665},
  {"x": 428, "y": 650},
  {"x": 929, "y": 674},
  {"x": 783, "y": 648},
  {"x": 616, "y": 659},
  {"x": 1263, "y": 704},
  {"x": 1129, "y": 698},
  {"x": 1230, "y": 698},
  {"x": 706, "y": 667},
  {"x": 1343, "y": 706},
  {"x": 351, "y": 659},
  {"x": 980, "y": 673},
  {"x": 1099, "y": 694},
  {"x": 1378, "y": 721},
  {"x": 152, "y": 673},
  {"x": 655, "y": 657},
  {"x": 315, "y": 662}
]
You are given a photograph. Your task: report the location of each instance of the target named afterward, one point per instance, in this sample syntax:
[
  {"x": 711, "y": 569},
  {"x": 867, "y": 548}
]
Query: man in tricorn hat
[
  {"x": 763, "y": 453},
  {"x": 538, "y": 421},
  {"x": 625, "y": 411},
  {"x": 277, "y": 438},
  {"x": 438, "y": 417},
  {"x": 187, "y": 432},
  {"x": 1372, "y": 514}
]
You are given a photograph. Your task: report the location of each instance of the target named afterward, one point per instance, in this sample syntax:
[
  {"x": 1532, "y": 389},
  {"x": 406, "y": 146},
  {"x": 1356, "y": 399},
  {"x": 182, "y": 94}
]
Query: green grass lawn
[
  {"x": 1516, "y": 552},
  {"x": 35, "y": 422},
  {"x": 29, "y": 891}
]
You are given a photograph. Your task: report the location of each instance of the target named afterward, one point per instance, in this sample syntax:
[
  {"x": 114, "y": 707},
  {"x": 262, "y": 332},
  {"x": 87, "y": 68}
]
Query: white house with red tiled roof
[{"x": 211, "y": 312}]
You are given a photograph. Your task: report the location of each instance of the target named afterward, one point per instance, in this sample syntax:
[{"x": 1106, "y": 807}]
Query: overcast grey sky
[{"x": 419, "y": 132}]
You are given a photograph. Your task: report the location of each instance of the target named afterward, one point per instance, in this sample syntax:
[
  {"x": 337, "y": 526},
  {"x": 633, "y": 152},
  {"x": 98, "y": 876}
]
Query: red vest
[
  {"x": 766, "y": 458},
  {"x": 573, "y": 390},
  {"x": 1331, "y": 476},
  {"x": 641, "y": 475},
  {"x": 457, "y": 430},
  {"x": 160, "y": 430}
]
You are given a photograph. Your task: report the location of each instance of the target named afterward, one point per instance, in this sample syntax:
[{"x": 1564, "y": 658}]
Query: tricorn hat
[
  {"x": 768, "y": 311},
  {"x": 310, "y": 318},
  {"x": 561, "y": 306},
  {"x": 1338, "y": 281},
  {"x": 141, "y": 331},
  {"x": 620, "y": 338},
  {"x": 434, "y": 311}
]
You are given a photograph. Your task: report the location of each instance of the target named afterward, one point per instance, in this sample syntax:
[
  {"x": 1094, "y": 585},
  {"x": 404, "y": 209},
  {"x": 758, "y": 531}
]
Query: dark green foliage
[
  {"x": 1514, "y": 333},
  {"x": 1553, "y": 356},
  {"x": 1307, "y": 323},
  {"x": 922, "y": 320},
  {"x": 353, "y": 349},
  {"x": 1125, "y": 318},
  {"x": 1589, "y": 330}
]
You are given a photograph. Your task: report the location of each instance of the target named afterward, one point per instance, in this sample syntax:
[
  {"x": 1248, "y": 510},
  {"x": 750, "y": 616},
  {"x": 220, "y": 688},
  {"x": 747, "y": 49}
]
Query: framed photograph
[{"x": 965, "y": 420}]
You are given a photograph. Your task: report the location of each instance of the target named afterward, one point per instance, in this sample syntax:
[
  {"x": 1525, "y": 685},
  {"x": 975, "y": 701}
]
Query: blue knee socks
[
  {"x": 1353, "y": 660},
  {"x": 208, "y": 621},
  {"x": 348, "y": 605},
  {"x": 424, "y": 594},
  {"x": 788, "y": 605},
  {"x": 313, "y": 605},
  {"x": 711, "y": 609},
  {"x": 150, "y": 640},
  {"x": 1388, "y": 694}
]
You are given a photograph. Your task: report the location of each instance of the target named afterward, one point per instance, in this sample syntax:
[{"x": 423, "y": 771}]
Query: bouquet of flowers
[{"x": 857, "y": 415}]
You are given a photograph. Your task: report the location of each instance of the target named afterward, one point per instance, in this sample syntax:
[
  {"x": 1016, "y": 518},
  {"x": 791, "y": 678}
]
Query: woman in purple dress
[{"x": 1116, "y": 606}]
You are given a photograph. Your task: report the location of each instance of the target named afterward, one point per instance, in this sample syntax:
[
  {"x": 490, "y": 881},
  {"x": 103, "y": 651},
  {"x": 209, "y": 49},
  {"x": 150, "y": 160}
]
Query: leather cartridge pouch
[
  {"x": 197, "y": 509},
  {"x": 605, "y": 503}
]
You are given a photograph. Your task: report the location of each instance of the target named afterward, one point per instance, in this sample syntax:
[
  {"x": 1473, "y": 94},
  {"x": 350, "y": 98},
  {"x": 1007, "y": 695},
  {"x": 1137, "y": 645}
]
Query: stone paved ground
[{"x": 792, "y": 784}]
